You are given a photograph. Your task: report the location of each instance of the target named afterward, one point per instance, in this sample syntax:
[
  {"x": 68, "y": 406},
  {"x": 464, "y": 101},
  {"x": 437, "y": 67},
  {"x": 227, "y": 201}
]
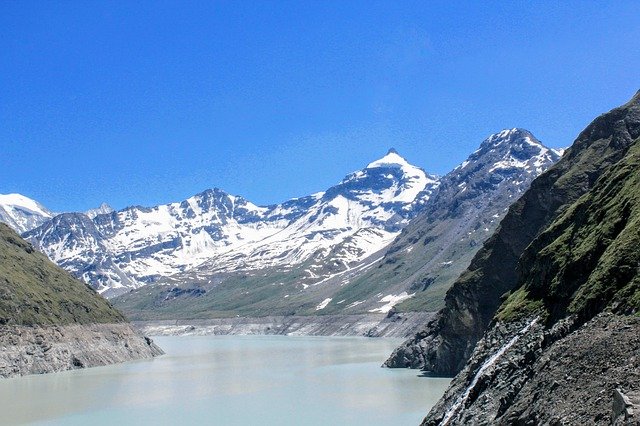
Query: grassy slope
[
  {"x": 245, "y": 295},
  {"x": 34, "y": 291},
  {"x": 429, "y": 251}
]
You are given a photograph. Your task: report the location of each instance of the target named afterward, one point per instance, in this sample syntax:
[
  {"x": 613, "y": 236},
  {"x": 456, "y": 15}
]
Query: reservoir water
[{"x": 232, "y": 380}]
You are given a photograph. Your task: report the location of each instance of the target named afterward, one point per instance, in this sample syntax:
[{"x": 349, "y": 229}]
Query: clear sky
[{"x": 152, "y": 102}]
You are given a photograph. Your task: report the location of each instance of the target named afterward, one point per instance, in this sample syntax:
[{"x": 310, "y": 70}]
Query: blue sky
[{"x": 151, "y": 102}]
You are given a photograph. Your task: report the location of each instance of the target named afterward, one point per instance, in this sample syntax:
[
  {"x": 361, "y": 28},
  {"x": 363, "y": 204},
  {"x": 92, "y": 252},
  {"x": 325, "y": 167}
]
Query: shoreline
[{"x": 400, "y": 325}]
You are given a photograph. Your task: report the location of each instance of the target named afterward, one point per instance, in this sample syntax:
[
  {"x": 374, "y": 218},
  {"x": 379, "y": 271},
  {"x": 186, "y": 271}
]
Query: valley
[{"x": 355, "y": 249}]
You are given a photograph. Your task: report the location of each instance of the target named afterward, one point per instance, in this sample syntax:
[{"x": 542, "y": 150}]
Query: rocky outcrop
[
  {"x": 446, "y": 343},
  {"x": 626, "y": 408},
  {"x": 48, "y": 349},
  {"x": 372, "y": 325},
  {"x": 548, "y": 376}
]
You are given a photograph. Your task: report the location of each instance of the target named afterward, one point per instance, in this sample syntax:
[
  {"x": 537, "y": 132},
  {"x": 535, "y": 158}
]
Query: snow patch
[
  {"x": 323, "y": 304},
  {"x": 391, "y": 300}
]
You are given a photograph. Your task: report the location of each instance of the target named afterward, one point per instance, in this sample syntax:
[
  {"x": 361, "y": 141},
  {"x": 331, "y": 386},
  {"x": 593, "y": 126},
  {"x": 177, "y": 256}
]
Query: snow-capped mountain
[
  {"x": 360, "y": 273},
  {"x": 103, "y": 209},
  {"x": 22, "y": 213},
  {"x": 467, "y": 207},
  {"x": 224, "y": 233}
]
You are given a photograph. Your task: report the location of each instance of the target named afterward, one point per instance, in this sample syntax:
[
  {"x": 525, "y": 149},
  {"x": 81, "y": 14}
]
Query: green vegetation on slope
[
  {"x": 34, "y": 291},
  {"x": 426, "y": 268},
  {"x": 256, "y": 294},
  {"x": 588, "y": 258}
]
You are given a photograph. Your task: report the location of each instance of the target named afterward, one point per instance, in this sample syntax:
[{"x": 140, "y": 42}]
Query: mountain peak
[
  {"x": 511, "y": 149},
  {"x": 510, "y": 135},
  {"x": 20, "y": 200},
  {"x": 103, "y": 209},
  {"x": 22, "y": 213},
  {"x": 391, "y": 159}
]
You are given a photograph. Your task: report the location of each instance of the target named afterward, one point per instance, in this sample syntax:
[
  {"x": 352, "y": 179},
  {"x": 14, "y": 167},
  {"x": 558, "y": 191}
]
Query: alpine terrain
[
  {"x": 438, "y": 244},
  {"x": 340, "y": 251},
  {"x": 219, "y": 233},
  {"x": 22, "y": 213},
  {"x": 543, "y": 326}
]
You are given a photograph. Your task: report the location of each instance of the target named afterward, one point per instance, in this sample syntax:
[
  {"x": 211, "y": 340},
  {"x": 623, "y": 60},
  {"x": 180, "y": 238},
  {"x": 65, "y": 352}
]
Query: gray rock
[
  {"x": 552, "y": 375},
  {"x": 48, "y": 349}
]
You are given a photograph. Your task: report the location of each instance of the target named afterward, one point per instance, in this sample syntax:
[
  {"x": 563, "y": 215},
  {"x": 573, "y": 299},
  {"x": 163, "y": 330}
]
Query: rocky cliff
[
  {"x": 549, "y": 376},
  {"x": 50, "y": 321},
  {"x": 562, "y": 344},
  {"x": 447, "y": 342}
]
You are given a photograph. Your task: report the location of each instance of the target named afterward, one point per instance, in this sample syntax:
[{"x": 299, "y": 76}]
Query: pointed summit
[
  {"x": 103, "y": 209},
  {"x": 391, "y": 159}
]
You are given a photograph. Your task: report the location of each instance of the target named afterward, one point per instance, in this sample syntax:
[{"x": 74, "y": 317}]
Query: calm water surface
[{"x": 232, "y": 380}]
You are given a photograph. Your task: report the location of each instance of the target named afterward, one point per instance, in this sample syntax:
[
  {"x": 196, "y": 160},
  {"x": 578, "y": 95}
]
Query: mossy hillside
[
  {"x": 34, "y": 291},
  {"x": 588, "y": 259}
]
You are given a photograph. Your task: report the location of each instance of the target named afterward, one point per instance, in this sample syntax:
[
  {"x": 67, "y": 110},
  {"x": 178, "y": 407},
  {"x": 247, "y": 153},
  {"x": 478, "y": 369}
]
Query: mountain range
[{"x": 216, "y": 254}]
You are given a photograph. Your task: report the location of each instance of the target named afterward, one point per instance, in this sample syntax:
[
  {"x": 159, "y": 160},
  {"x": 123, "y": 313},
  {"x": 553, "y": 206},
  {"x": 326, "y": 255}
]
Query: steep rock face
[
  {"x": 569, "y": 327},
  {"x": 215, "y": 233},
  {"x": 547, "y": 375},
  {"x": 447, "y": 342},
  {"x": 436, "y": 246},
  {"x": 50, "y": 321},
  {"x": 22, "y": 213}
]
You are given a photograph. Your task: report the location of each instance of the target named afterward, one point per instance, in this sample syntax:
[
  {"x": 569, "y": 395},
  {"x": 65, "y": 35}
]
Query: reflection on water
[{"x": 232, "y": 380}]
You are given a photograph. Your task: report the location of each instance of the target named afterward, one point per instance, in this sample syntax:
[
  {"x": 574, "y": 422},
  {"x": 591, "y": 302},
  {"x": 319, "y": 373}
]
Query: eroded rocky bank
[{"x": 47, "y": 349}]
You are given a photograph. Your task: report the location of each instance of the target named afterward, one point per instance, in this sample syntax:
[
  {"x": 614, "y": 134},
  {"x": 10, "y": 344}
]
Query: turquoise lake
[{"x": 232, "y": 380}]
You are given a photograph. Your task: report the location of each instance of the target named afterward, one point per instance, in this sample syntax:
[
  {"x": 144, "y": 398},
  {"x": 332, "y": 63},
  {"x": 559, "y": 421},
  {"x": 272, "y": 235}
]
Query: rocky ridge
[{"x": 465, "y": 209}]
